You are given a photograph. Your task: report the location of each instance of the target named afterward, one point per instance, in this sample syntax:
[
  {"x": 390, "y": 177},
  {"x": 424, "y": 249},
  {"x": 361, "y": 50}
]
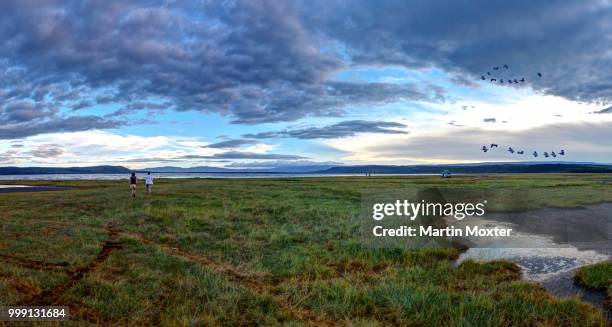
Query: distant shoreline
[{"x": 454, "y": 169}]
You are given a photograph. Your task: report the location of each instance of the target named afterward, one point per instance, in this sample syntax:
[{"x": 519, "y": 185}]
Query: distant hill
[
  {"x": 490, "y": 168},
  {"x": 63, "y": 170},
  {"x": 472, "y": 168}
]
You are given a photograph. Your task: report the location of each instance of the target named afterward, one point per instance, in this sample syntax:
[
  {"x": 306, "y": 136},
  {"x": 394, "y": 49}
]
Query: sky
[{"x": 278, "y": 83}]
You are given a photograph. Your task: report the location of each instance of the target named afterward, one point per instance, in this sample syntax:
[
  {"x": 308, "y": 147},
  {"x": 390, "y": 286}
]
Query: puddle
[{"x": 549, "y": 245}]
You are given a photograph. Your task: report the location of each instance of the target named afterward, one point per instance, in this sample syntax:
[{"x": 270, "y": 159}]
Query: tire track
[
  {"x": 53, "y": 295},
  {"x": 34, "y": 264},
  {"x": 251, "y": 282},
  {"x": 22, "y": 287}
]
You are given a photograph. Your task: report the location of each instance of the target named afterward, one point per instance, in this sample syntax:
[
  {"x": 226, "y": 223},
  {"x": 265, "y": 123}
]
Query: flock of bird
[
  {"x": 493, "y": 78},
  {"x": 501, "y": 80},
  {"x": 535, "y": 153}
]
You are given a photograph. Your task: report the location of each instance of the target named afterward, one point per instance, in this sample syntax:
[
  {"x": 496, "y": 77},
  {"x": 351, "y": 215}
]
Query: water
[
  {"x": 550, "y": 246},
  {"x": 183, "y": 175}
]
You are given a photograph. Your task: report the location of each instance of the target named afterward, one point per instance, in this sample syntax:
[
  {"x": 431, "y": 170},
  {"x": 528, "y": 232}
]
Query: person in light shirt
[{"x": 149, "y": 182}]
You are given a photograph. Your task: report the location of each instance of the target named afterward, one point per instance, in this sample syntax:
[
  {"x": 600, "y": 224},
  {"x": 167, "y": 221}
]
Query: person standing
[
  {"x": 149, "y": 182},
  {"x": 133, "y": 184}
]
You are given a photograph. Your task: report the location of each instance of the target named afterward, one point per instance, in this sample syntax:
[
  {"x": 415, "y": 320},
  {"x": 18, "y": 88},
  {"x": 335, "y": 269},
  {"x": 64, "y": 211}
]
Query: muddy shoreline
[{"x": 550, "y": 244}]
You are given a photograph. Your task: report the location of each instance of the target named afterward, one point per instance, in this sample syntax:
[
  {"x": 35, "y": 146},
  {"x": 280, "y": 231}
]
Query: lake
[{"x": 182, "y": 175}]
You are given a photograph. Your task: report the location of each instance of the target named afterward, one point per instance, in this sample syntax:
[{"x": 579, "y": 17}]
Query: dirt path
[{"x": 34, "y": 264}]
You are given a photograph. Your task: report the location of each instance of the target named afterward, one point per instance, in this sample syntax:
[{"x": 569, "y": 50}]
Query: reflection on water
[{"x": 551, "y": 249}]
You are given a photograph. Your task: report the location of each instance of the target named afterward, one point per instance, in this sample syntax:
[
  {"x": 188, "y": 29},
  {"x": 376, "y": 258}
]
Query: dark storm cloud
[
  {"x": 20, "y": 119},
  {"x": 81, "y": 105},
  {"x": 269, "y": 61},
  {"x": 338, "y": 130},
  {"x": 604, "y": 111},
  {"x": 252, "y": 60},
  {"x": 231, "y": 144},
  {"x": 567, "y": 41},
  {"x": 20, "y": 112},
  {"x": 325, "y": 99},
  {"x": 246, "y": 155},
  {"x": 57, "y": 124}
]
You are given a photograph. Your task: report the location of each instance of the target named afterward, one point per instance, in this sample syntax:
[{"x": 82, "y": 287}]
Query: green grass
[
  {"x": 269, "y": 252},
  {"x": 597, "y": 276}
]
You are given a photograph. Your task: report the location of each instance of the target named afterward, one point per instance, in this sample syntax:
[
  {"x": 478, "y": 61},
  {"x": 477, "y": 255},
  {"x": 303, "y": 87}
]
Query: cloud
[
  {"x": 47, "y": 151},
  {"x": 254, "y": 61},
  {"x": 231, "y": 144},
  {"x": 19, "y": 119},
  {"x": 271, "y": 61},
  {"x": 81, "y": 105},
  {"x": 246, "y": 155},
  {"x": 55, "y": 125},
  {"x": 9, "y": 156},
  {"x": 96, "y": 147},
  {"x": 23, "y": 111},
  {"x": 225, "y": 155},
  {"x": 581, "y": 141},
  {"x": 282, "y": 163},
  {"x": 567, "y": 41},
  {"x": 338, "y": 130},
  {"x": 604, "y": 111}
]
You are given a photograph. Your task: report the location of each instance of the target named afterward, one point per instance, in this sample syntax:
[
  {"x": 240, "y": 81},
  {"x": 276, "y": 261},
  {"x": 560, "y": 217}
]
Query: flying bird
[
  {"x": 511, "y": 150},
  {"x": 496, "y": 68},
  {"x": 515, "y": 80},
  {"x": 493, "y": 80},
  {"x": 482, "y": 77},
  {"x": 562, "y": 152},
  {"x": 546, "y": 154},
  {"x": 520, "y": 152},
  {"x": 535, "y": 154},
  {"x": 501, "y": 80},
  {"x": 484, "y": 149},
  {"x": 553, "y": 154},
  {"x": 523, "y": 80},
  {"x": 505, "y": 66},
  {"x": 539, "y": 74},
  {"x": 488, "y": 73},
  {"x": 493, "y": 145},
  {"x": 510, "y": 81}
]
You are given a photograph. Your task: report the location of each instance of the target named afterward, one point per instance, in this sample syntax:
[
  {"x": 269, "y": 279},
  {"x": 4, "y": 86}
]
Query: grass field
[
  {"x": 263, "y": 252},
  {"x": 598, "y": 277}
]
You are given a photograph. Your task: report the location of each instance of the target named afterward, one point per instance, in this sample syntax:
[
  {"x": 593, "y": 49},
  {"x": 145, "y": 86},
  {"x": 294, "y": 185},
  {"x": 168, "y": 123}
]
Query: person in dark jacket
[{"x": 133, "y": 184}]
